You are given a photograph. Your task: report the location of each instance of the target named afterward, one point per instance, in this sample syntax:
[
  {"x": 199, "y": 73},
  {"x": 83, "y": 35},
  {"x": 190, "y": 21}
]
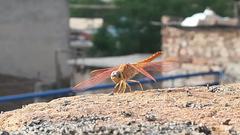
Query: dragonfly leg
[
  {"x": 115, "y": 88},
  {"x": 124, "y": 87},
  {"x": 119, "y": 87},
  {"x": 136, "y": 82},
  {"x": 129, "y": 87}
]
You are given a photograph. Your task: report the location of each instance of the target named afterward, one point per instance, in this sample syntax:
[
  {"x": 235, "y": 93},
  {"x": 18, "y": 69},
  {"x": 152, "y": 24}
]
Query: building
[
  {"x": 211, "y": 44},
  {"x": 81, "y": 31},
  {"x": 33, "y": 46},
  {"x": 34, "y": 38}
]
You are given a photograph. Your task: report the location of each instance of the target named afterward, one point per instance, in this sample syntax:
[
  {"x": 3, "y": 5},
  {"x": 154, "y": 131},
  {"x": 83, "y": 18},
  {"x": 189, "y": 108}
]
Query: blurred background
[{"x": 52, "y": 44}]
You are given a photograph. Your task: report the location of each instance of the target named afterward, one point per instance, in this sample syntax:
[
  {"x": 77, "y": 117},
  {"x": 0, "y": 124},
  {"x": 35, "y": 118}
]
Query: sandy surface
[{"x": 216, "y": 107}]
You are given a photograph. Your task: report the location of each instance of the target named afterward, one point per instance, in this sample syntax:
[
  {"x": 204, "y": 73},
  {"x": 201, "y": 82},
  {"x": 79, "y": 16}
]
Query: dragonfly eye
[{"x": 116, "y": 74}]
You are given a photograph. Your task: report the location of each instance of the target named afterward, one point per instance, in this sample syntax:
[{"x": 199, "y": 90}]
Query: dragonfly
[{"x": 124, "y": 73}]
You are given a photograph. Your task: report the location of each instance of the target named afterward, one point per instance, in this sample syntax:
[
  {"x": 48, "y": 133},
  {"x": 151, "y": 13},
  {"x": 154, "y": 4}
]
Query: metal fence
[{"x": 67, "y": 91}]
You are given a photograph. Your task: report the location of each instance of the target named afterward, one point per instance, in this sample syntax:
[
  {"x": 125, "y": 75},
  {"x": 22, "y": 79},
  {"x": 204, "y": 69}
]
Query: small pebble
[
  {"x": 189, "y": 93},
  {"x": 66, "y": 102},
  {"x": 4, "y": 133},
  {"x": 150, "y": 117},
  {"x": 126, "y": 113},
  {"x": 213, "y": 89},
  {"x": 226, "y": 122}
]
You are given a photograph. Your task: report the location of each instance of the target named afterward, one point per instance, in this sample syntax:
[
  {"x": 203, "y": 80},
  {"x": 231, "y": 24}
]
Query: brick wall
[{"x": 204, "y": 49}]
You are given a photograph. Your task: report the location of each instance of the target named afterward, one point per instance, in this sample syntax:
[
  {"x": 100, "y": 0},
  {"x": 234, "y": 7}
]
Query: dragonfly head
[{"x": 116, "y": 76}]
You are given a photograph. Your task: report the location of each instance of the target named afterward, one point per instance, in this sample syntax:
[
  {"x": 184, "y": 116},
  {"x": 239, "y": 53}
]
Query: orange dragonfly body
[{"x": 124, "y": 73}]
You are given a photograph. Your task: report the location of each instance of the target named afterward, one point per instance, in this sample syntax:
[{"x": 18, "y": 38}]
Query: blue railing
[{"x": 67, "y": 91}]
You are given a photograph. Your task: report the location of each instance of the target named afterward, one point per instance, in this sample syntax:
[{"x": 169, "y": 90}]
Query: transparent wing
[
  {"x": 97, "y": 78},
  {"x": 161, "y": 66},
  {"x": 98, "y": 71},
  {"x": 142, "y": 71}
]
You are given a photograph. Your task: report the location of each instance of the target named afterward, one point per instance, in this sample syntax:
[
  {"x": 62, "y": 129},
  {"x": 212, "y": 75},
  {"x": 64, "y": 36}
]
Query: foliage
[
  {"x": 104, "y": 43},
  {"x": 132, "y": 22}
]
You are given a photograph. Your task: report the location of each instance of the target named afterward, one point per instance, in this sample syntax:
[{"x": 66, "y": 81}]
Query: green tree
[
  {"x": 132, "y": 22},
  {"x": 104, "y": 43}
]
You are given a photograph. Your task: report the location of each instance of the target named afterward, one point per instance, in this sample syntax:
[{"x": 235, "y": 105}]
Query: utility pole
[
  {"x": 237, "y": 10},
  {"x": 57, "y": 68}
]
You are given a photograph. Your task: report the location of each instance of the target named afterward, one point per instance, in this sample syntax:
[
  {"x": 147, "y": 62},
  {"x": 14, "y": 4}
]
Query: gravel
[
  {"x": 225, "y": 89},
  {"x": 83, "y": 124},
  {"x": 193, "y": 105},
  {"x": 87, "y": 126}
]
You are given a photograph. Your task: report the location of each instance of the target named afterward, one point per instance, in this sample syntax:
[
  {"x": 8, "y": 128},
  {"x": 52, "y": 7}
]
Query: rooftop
[
  {"x": 85, "y": 23},
  {"x": 109, "y": 61}
]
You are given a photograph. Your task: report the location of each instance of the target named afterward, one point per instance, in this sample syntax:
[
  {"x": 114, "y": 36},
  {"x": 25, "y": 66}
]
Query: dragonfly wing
[
  {"x": 99, "y": 71},
  {"x": 98, "y": 78},
  {"x": 162, "y": 66},
  {"x": 142, "y": 71}
]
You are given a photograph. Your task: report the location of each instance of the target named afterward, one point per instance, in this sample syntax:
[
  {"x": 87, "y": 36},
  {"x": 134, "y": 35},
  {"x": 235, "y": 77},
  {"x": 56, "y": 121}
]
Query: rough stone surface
[{"x": 159, "y": 111}]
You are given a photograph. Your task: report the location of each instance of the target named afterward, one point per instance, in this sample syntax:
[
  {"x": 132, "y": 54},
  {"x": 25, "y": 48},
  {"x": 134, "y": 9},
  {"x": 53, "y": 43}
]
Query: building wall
[
  {"x": 30, "y": 32},
  {"x": 204, "y": 49}
]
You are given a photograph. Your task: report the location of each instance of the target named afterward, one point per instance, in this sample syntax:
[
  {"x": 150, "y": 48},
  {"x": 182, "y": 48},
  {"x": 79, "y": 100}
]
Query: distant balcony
[{"x": 81, "y": 44}]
